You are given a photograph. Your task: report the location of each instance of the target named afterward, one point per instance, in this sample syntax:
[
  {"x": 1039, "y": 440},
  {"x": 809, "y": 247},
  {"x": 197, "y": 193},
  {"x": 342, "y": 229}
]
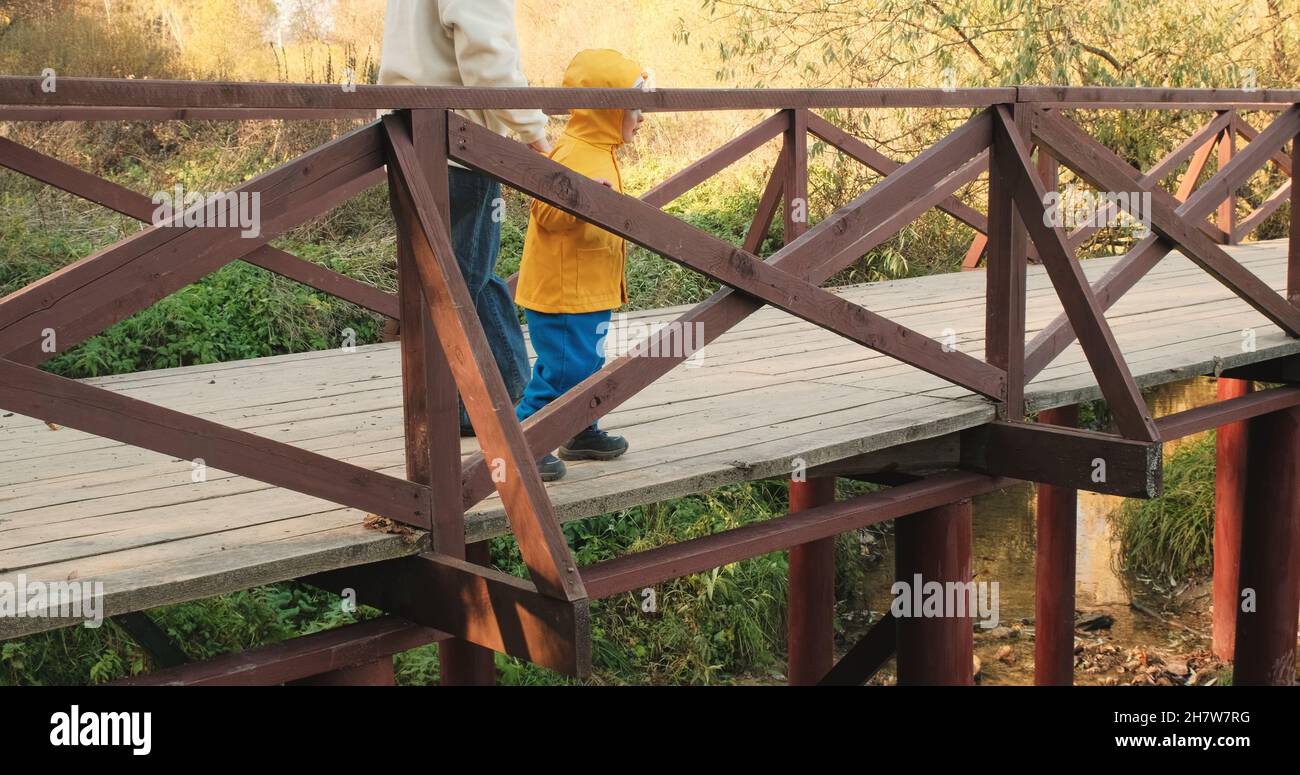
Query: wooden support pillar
[
  {"x": 430, "y": 399},
  {"x": 1226, "y": 218},
  {"x": 1293, "y": 254},
  {"x": 936, "y": 545},
  {"x": 1229, "y": 503},
  {"x": 1054, "y": 572},
  {"x": 1004, "y": 302},
  {"x": 811, "y": 612},
  {"x": 1269, "y": 601},
  {"x": 377, "y": 673}
]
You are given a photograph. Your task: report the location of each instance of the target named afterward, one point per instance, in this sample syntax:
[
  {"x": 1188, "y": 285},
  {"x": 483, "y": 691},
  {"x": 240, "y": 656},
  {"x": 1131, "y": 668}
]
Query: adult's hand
[{"x": 542, "y": 146}]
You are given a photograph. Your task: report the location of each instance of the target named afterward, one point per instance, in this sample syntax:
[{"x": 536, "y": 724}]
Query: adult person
[{"x": 471, "y": 43}]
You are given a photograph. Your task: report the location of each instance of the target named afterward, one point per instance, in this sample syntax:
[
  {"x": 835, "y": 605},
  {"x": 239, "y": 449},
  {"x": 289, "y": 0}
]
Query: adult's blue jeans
[
  {"x": 476, "y": 238},
  {"x": 570, "y": 348}
]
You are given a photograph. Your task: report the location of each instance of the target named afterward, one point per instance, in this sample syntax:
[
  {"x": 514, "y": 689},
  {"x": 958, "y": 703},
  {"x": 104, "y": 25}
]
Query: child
[{"x": 571, "y": 277}]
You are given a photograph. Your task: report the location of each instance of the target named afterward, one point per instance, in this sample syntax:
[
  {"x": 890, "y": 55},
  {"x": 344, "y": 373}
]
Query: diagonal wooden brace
[
  {"x": 1175, "y": 222},
  {"x": 481, "y": 605},
  {"x": 1086, "y": 316},
  {"x": 655, "y": 230},
  {"x": 878, "y": 214},
  {"x": 541, "y": 541}
]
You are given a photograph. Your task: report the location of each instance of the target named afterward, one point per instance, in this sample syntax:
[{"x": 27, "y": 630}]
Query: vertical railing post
[
  {"x": 1054, "y": 571},
  {"x": 811, "y": 601},
  {"x": 1293, "y": 252},
  {"x": 430, "y": 401},
  {"x": 1227, "y": 214},
  {"x": 1004, "y": 282}
]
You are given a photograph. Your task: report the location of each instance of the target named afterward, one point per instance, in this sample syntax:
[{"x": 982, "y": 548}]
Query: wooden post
[
  {"x": 430, "y": 398},
  {"x": 936, "y": 545},
  {"x": 1269, "y": 600},
  {"x": 811, "y": 610},
  {"x": 796, "y": 176},
  {"x": 1004, "y": 282},
  {"x": 1293, "y": 254},
  {"x": 1054, "y": 572},
  {"x": 1227, "y": 214},
  {"x": 811, "y": 613},
  {"x": 1229, "y": 502}
]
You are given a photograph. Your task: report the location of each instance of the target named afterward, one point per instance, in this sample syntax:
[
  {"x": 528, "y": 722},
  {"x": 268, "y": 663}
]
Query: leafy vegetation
[
  {"x": 716, "y": 627},
  {"x": 1172, "y": 537}
]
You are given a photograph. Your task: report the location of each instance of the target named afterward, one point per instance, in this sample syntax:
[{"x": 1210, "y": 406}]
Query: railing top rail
[{"x": 29, "y": 92}]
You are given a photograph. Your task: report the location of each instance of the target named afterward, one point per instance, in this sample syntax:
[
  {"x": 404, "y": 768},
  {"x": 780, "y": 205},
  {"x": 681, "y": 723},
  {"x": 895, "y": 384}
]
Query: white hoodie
[{"x": 459, "y": 43}]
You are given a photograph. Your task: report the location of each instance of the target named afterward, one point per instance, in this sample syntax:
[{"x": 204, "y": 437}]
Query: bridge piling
[
  {"x": 1057, "y": 519},
  {"x": 1268, "y": 603},
  {"x": 936, "y": 546},
  {"x": 811, "y": 594},
  {"x": 1229, "y": 502}
]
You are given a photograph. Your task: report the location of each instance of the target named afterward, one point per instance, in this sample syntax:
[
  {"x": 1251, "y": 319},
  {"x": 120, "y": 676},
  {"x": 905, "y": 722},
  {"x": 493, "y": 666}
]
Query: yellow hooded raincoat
[{"x": 570, "y": 266}]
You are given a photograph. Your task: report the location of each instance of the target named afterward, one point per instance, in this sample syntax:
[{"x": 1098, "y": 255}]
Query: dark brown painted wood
[
  {"x": 856, "y": 228},
  {"x": 878, "y": 162},
  {"x": 642, "y": 569},
  {"x": 120, "y": 199},
  {"x": 434, "y": 408},
  {"x": 1210, "y": 416},
  {"x": 935, "y": 545},
  {"x": 60, "y": 113},
  {"x": 1268, "y": 600},
  {"x": 1081, "y": 307},
  {"x": 1004, "y": 294},
  {"x": 1293, "y": 254},
  {"x": 866, "y": 657},
  {"x": 811, "y": 592},
  {"x": 1229, "y": 511},
  {"x": 691, "y": 247},
  {"x": 1066, "y": 457},
  {"x": 1054, "y": 576},
  {"x": 1226, "y": 218},
  {"x": 297, "y": 658},
  {"x": 87, "y": 296},
  {"x": 487, "y": 402},
  {"x": 1147, "y": 253},
  {"x": 478, "y": 604},
  {"x": 27, "y": 91},
  {"x": 59, "y": 400},
  {"x": 717, "y": 160}
]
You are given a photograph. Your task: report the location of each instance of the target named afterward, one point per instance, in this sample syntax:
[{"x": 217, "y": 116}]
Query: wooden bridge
[{"x": 922, "y": 385}]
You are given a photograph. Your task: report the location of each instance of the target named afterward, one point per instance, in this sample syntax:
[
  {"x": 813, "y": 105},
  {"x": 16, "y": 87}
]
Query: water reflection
[{"x": 1004, "y": 536}]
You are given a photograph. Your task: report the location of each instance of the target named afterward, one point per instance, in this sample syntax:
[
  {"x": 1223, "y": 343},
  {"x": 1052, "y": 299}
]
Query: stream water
[{"x": 1004, "y": 552}]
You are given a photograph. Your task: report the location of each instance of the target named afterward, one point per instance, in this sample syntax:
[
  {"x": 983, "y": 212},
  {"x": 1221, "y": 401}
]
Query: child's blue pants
[{"x": 570, "y": 348}]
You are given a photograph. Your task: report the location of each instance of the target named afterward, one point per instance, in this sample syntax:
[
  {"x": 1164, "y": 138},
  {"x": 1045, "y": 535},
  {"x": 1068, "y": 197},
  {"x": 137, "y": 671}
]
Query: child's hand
[
  {"x": 604, "y": 182},
  {"x": 542, "y": 146}
]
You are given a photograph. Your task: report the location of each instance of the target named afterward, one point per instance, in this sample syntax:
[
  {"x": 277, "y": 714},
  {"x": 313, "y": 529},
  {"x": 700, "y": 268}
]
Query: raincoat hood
[{"x": 600, "y": 68}]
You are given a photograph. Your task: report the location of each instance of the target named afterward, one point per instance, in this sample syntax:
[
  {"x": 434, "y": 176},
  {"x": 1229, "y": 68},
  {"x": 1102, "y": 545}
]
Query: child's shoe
[
  {"x": 593, "y": 444},
  {"x": 551, "y": 468}
]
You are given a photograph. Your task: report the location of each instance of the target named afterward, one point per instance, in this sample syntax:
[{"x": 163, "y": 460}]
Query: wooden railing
[{"x": 445, "y": 352}]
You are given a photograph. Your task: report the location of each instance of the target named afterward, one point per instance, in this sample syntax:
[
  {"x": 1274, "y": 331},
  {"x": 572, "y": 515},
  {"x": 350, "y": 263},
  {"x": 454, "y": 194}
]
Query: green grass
[
  {"x": 1172, "y": 537},
  {"x": 709, "y": 628}
]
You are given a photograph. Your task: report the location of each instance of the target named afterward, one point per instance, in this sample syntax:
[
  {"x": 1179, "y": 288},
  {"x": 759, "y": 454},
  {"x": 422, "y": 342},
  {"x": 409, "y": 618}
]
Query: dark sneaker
[
  {"x": 593, "y": 444},
  {"x": 551, "y": 468}
]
